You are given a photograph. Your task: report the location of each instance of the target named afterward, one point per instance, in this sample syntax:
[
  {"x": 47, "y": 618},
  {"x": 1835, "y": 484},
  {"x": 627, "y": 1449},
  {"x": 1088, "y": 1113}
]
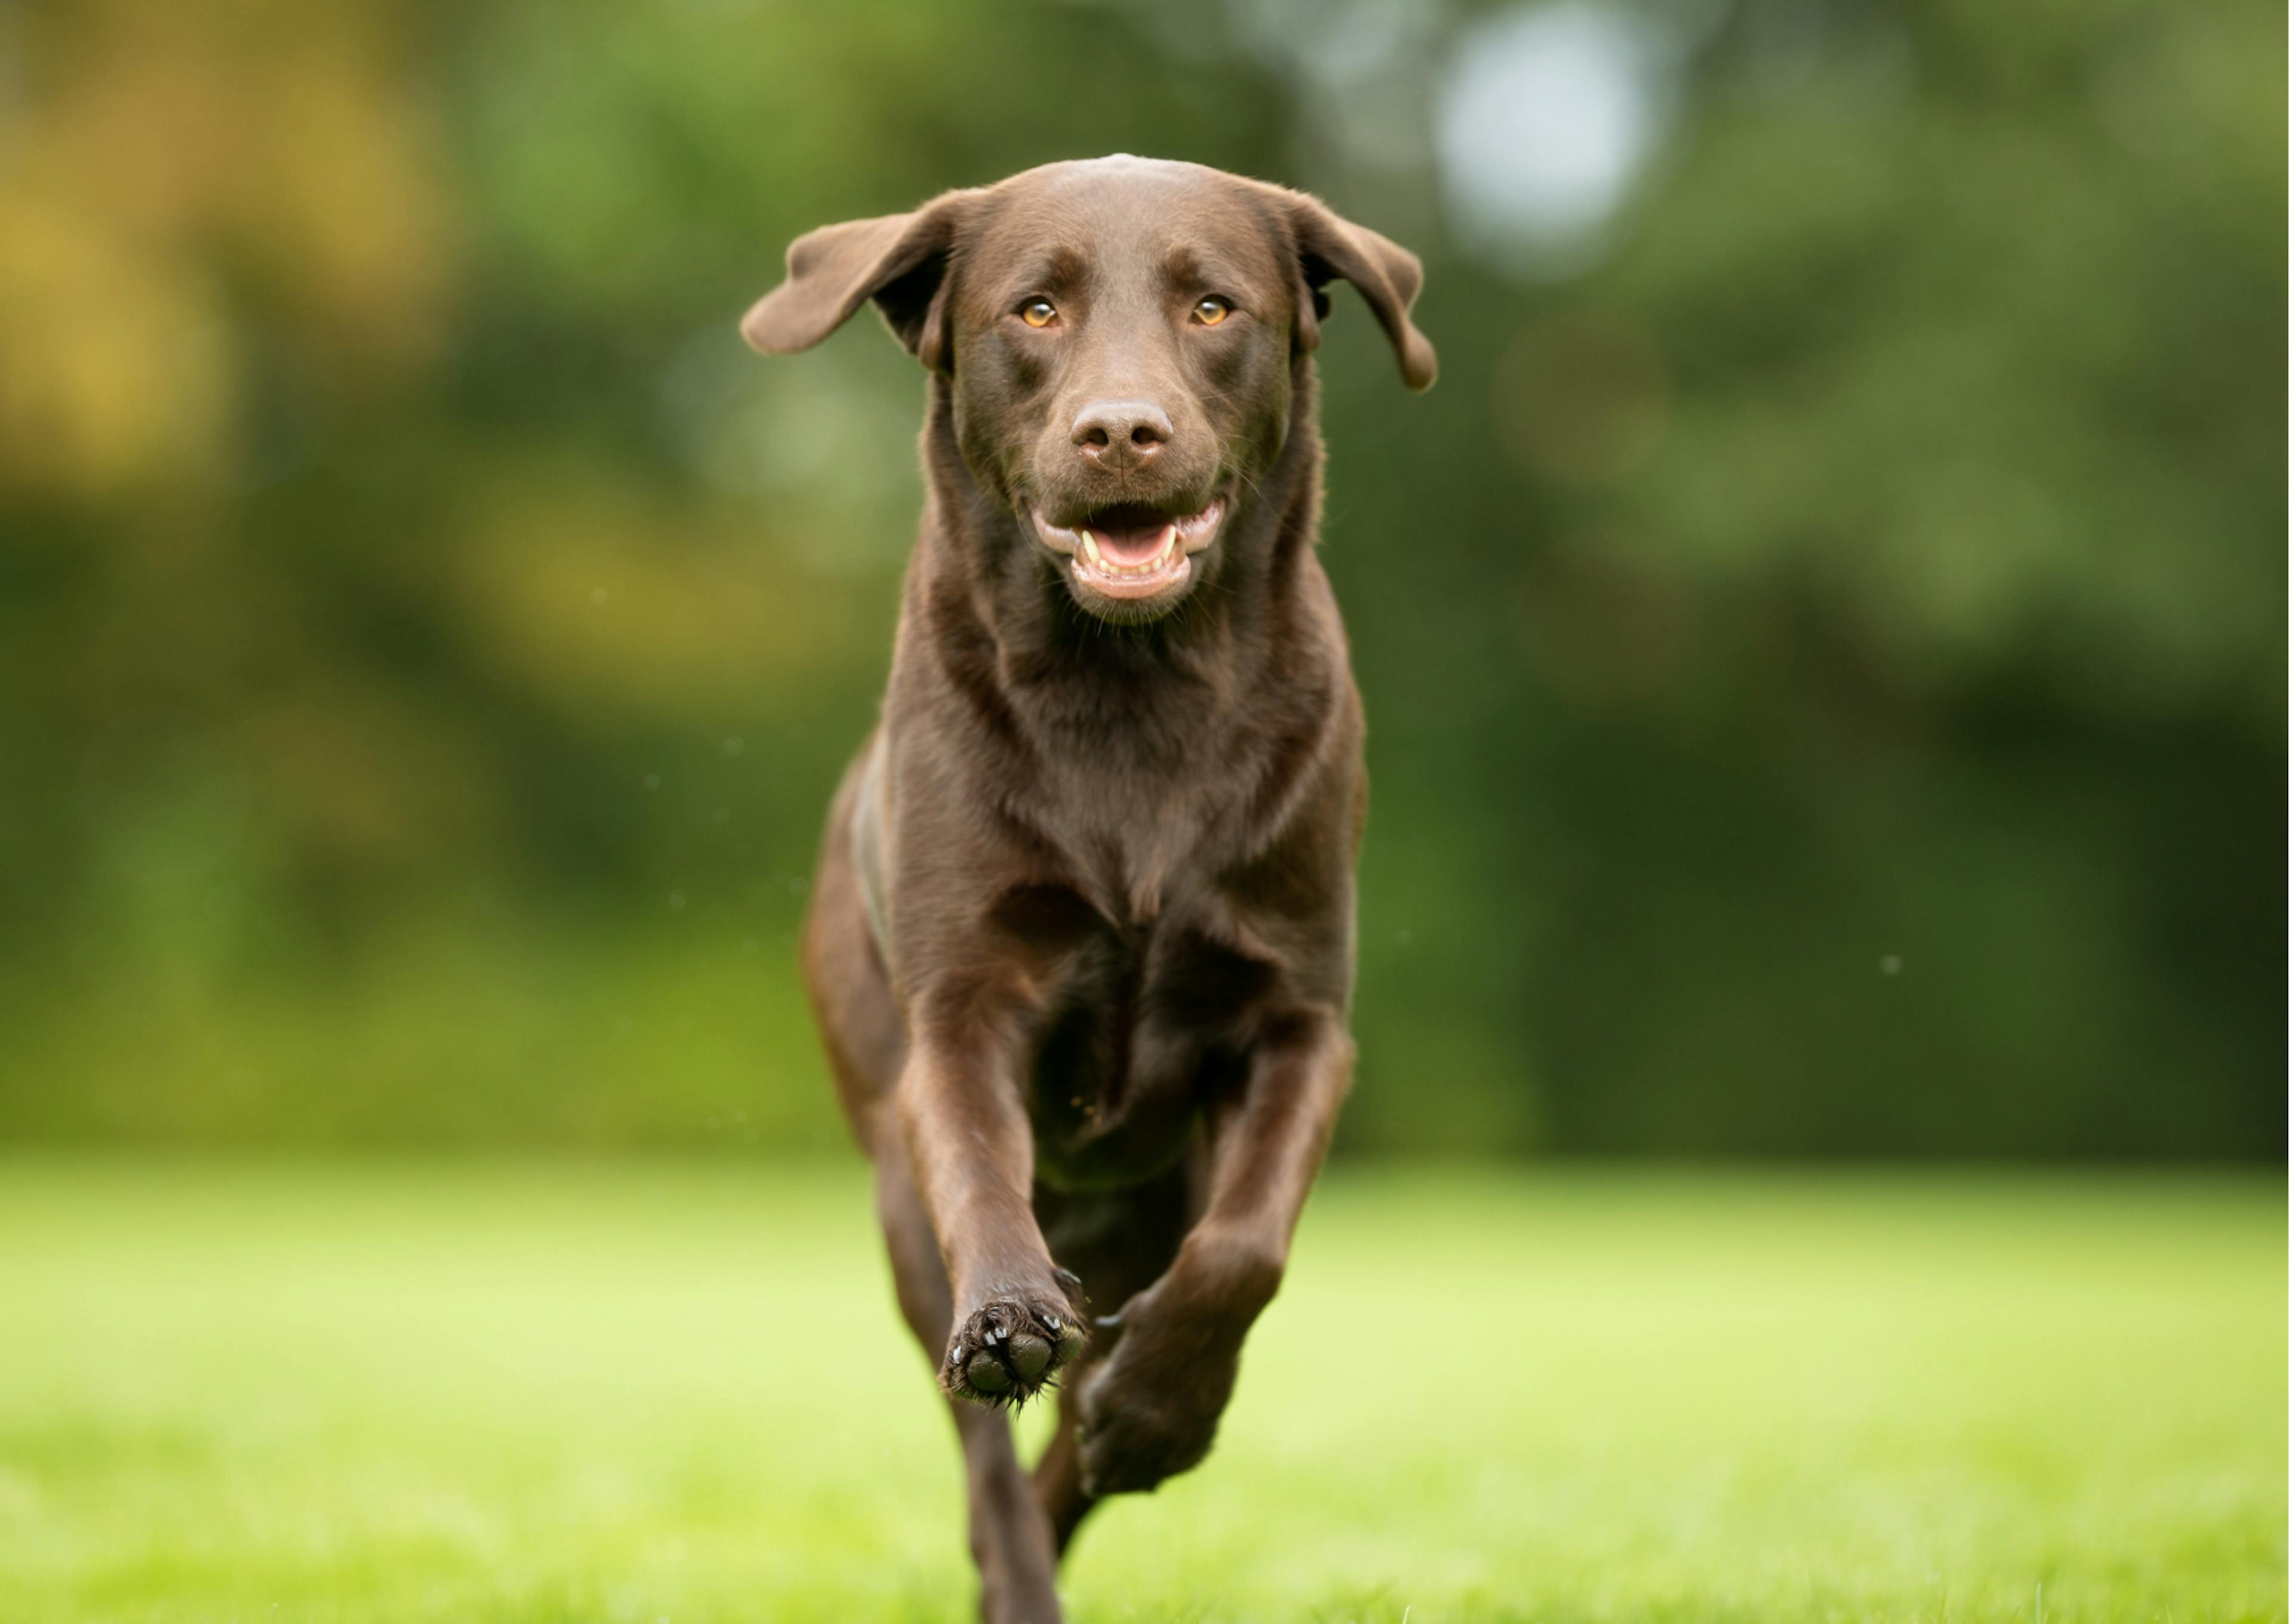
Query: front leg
[
  {"x": 1150, "y": 1409},
  {"x": 1016, "y": 1315}
]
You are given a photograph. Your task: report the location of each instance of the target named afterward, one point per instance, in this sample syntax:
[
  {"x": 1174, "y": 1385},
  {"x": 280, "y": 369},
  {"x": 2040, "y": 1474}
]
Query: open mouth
[{"x": 1130, "y": 552}]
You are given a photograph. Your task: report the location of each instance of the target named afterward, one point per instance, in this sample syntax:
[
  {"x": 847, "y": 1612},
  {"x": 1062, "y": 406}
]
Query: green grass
[{"x": 494, "y": 1391}]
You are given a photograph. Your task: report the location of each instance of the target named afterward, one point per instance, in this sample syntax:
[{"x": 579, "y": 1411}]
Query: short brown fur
[{"x": 1080, "y": 944}]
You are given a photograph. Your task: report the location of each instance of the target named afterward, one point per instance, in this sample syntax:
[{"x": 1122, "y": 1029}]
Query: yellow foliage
[
  {"x": 587, "y": 594},
  {"x": 168, "y": 150},
  {"x": 115, "y": 370}
]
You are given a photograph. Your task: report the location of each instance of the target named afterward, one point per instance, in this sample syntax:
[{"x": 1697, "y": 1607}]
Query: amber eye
[
  {"x": 1210, "y": 311},
  {"x": 1037, "y": 313}
]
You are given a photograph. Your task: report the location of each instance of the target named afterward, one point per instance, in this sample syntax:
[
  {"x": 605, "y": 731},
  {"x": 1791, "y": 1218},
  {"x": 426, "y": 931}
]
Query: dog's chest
[{"x": 1145, "y": 1021}]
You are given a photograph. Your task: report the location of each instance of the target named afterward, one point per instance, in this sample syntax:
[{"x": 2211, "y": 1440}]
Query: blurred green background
[{"x": 1823, "y": 637}]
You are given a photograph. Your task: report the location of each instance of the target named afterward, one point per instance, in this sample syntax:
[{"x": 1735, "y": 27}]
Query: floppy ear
[
  {"x": 898, "y": 261},
  {"x": 1387, "y": 276}
]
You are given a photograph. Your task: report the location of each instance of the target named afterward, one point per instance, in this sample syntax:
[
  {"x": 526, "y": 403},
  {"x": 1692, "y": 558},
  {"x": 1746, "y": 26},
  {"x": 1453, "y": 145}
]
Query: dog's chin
[{"x": 1131, "y": 562}]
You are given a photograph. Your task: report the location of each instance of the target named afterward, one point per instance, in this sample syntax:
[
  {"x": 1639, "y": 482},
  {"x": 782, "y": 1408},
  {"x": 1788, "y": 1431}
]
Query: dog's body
[{"x": 1081, "y": 939}]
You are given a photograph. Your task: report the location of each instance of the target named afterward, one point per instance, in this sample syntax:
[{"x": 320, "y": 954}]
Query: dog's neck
[{"x": 981, "y": 574}]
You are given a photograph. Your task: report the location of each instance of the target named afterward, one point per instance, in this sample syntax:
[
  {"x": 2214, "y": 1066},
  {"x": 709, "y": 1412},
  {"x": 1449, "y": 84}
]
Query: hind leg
[{"x": 858, "y": 1019}]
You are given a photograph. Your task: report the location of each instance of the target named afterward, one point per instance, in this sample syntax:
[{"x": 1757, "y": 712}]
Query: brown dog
[{"x": 1081, "y": 941}]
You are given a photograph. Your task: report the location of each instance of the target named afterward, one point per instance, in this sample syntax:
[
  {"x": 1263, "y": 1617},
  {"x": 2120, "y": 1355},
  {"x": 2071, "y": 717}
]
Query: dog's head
[{"x": 1119, "y": 336}]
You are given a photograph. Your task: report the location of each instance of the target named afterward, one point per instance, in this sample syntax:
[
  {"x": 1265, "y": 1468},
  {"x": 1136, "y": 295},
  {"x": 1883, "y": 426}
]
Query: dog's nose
[{"x": 1121, "y": 434}]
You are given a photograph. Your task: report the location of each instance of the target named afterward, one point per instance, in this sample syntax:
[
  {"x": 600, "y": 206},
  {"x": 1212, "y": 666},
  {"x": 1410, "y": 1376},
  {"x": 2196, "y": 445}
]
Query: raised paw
[
  {"x": 1148, "y": 1407},
  {"x": 1010, "y": 1350},
  {"x": 1129, "y": 1442}
]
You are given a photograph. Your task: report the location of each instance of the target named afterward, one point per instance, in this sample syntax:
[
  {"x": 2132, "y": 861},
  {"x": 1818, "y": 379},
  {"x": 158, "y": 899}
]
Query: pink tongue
[{"x": 1132, "y": 547}]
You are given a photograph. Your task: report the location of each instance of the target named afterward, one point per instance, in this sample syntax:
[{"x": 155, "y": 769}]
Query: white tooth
[{"x": 1089, "y": 546}]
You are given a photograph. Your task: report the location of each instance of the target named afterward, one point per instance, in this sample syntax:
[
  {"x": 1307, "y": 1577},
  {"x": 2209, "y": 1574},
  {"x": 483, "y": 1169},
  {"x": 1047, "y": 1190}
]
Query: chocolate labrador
[{"x": 1080, "y": 944}]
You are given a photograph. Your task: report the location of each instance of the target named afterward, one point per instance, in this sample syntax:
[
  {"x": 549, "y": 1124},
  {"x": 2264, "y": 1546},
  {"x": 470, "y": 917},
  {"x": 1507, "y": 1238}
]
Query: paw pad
[{"x": 1008, "y": 1350}]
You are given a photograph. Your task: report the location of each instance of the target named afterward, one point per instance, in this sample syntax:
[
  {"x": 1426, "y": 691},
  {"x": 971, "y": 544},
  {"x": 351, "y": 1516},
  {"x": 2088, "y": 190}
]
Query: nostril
[
  {"x": 1144, "y": 436},
  {"x": 1095, "y": 437}
]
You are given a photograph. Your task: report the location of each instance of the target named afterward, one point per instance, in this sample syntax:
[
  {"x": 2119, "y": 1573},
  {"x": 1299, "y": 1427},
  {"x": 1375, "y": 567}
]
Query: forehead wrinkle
[
  {"x": 1061, "y": 268},
  {"x": 1181, "y": 267},
  {"x": 1057, "y": 270},
  {"x": 1212, "y": 267}
]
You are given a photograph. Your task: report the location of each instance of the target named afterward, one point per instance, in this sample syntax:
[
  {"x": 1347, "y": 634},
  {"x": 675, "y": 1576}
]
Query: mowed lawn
[{"x": 473, "y": 1391}]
